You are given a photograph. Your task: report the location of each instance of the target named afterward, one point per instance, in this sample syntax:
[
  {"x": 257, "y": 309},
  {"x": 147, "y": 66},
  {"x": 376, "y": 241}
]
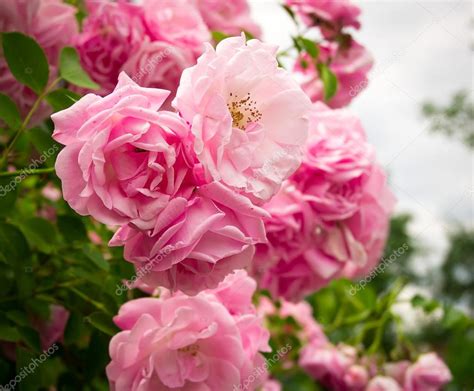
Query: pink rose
[
  {"x": 241, "y": 106},
  {"x": 111, "y": 32},
  {"x": 428, "y": 373},
  {"x": 195, "y": 243},
  {"x": 337, "y": 163},
  {"x": 271, "y": 385},
  {"x": 190, "y": 343},
  {"x": 338, "y": 13},
  {"x": 303, "y": 254},
  {"x": 383, "y": 383},
  {"x": 350, "y": 65},
  {"x": 397, "y": 370},
  {"x": 356, "y": 377},
  {"x": 370, "y": 225},
  {"x": 178, "y": 22},
  {"x": 52, "y": 330},
  {"x": 124, "y": 160},
  {"x": 328, "y": 364},
  {"x": 302, "y": 313},
  {"x": 159, "y": 64},
  {"x": 50, "y": 22},
  {"x": 229, "y": 17}
]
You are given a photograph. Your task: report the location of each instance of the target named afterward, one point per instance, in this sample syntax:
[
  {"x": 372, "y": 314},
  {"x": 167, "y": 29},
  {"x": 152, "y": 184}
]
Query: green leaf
[
  {"x": 40, "y": 233},
  {"x": 96, "y": 256},
  {"x": 71, "y": 70},
  {"x": 26, "y": 60},
  {"x": 31, "y": 337},
  {"x": 310, "y": 47},
  {"x": 72, "y": 229},
  {"x": 61, "y": 99},
  {"x": 290, "y": 12},
  {"x": 8, "y": 194},
  {"x": 427, "y": 305},
  {"x": 45, "y": 145},
  {"x": 218, "y": 36},
  {"x": 329, "y": 81},
  {"x": 9, "y": 333},
  {"x": 13, "y": 245},
  {"x": 103, "y": 322},
  {"x": 9, "y": 112}
]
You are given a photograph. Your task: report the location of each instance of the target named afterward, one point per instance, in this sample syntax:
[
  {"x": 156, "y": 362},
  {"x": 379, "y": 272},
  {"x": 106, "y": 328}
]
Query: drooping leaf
[
  {"x": 71, "y": 70},
  {"x": 61, "y": 99},
  {"x": 310, "y": 47},
  {"x": 329, "y": 80},
  {"x": 9, "y": 112},
  {"x": 26, "y": 60}
]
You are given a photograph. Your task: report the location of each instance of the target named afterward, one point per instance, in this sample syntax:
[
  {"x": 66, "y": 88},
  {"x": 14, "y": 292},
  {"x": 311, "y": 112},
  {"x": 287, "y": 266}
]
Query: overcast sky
[{"x": 422, "y": 52}]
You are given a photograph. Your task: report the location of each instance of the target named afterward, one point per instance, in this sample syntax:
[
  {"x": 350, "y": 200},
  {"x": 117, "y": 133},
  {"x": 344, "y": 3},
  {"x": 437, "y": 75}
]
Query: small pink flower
[
  {"x": 52, "y": 330},
  {"x": 124, "y": 160},
  {"x": 338, "y": 13},
  {"x": 302, "y": 313},
  {"x": 159, "y": 64},
  {"x": 397, "y": 370},
  {"x": 229, "y": 17},
  {"x": 350, "y": 65},
  {"x": 327, "y": 364},
  {"x": 428, "y": 373},
  {"x": 383, "y": 383},
  {"x": 248, "y": 116},
  {"x": 196, "y": 243},
  {"x": 190, "y": 343},
  {"x": 111, "y": 33},
  {"x": 177, "y": 22},
  {"x": 271, "y": 385},
  {"x": 356, "y": 377}
]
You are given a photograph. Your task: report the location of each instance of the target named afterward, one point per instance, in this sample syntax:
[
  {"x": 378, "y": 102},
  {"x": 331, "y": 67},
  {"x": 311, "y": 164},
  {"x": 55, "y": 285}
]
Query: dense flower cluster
[
  {"x": 211, "y": 341},
  {"x": 348, "y": 60},
  {"x": 343, "y": 368},
  {"x": 153, "y": 41},
  {"x": 186, "y": 181},
  {"x": 331, "y": 217},
  {"x": 53, "y": 25}
]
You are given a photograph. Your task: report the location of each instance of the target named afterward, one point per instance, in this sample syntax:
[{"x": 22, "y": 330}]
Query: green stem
[
  {"x": 27, "y": 120},
  {"x": 37, "y": 171}
]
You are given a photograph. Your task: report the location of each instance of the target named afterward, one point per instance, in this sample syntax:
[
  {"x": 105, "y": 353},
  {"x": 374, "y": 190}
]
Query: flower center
[
  {"x": 243, "y": 111},
  {"x": 191, "y": 349}
]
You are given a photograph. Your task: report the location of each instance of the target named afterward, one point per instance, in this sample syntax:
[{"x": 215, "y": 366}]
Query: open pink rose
[
  {"x": 195, "y": 244},
  {"x": 271, "y": 385},
  {"x": 159, "y": 64},
  {"x": 339, "y": 13},
  {"x": 248, "y": 116},
  {"x": 383, "y": 383},
  {"x": 428, "y": 373},
  {"x": 302, "y": 313},
  {"x": 337, "y": 163},
  {"x": 178, "y": 22},
  {"x": 350, "y": 64},
  {"x": 111, "y": 33},
  {"x": 124, "y": 160},
  {"x": 229, "y": 17},
  {"x": 187, "y": 343}
]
